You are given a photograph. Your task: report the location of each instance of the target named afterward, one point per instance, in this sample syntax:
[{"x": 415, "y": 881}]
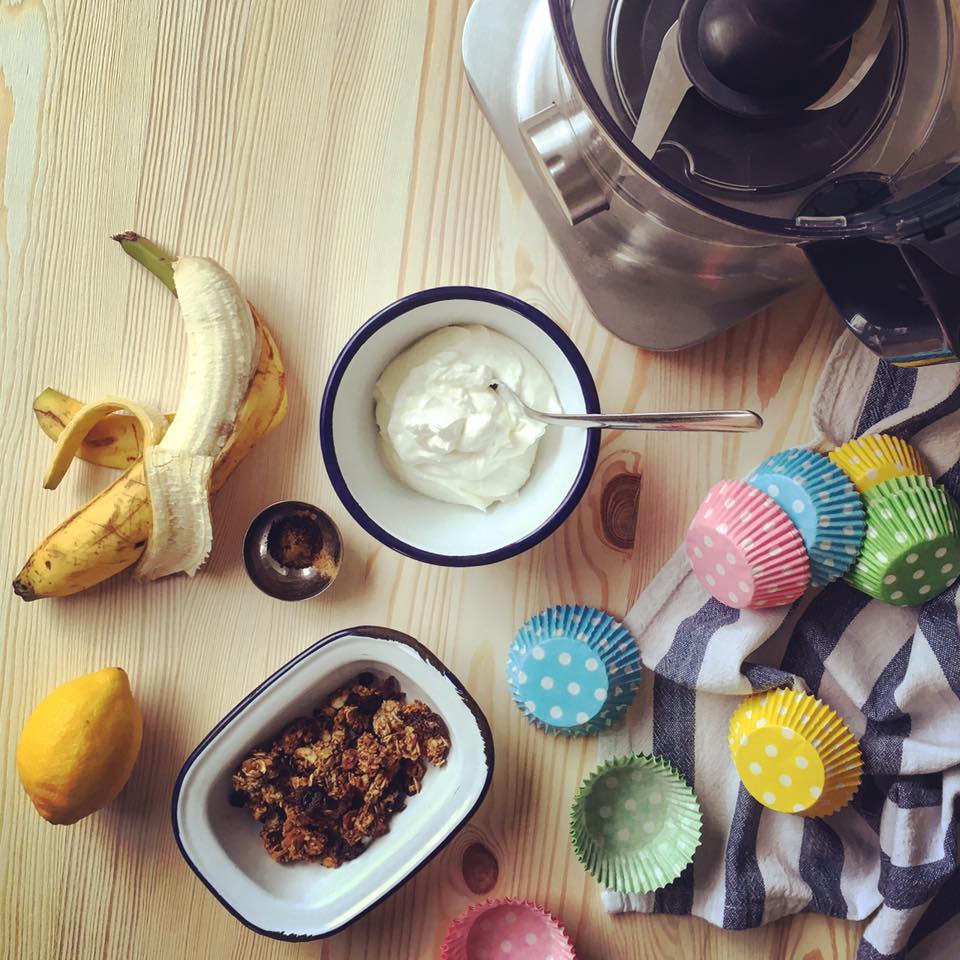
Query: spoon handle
[{"x": 720, "y": 421}]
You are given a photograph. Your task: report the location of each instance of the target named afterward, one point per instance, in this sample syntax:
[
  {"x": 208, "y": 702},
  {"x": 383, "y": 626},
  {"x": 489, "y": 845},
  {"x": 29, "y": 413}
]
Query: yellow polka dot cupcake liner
[
  {"x": 794, "y": 754},
  {"x": 877, "y": 458}
]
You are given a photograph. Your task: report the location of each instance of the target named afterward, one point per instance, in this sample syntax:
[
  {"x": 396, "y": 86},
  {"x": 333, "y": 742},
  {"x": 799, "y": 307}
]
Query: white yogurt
[{"x": 445, "y": 433}]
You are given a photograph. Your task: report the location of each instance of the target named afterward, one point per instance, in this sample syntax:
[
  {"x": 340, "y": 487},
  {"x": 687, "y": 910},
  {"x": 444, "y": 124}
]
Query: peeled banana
[
  {"x": 113, "y": 530},
  {"x": 221, "y": 341}
]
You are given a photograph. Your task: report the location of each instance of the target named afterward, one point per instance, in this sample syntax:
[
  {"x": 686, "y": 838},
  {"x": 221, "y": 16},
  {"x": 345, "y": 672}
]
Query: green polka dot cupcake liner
[
  {"x": 635, "y": 824},
  {"x": 573, "y": 670},
  {"x": 911, "y": 553}
]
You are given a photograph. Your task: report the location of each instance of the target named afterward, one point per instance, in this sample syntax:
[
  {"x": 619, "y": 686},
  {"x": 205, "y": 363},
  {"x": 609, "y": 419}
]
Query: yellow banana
[
  {"x": 101, "y": 539},
  {"x": 110, "y": 533}
]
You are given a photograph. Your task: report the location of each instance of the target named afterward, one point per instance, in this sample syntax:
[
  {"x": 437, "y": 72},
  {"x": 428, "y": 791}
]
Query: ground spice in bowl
[
  {"x": 295, "y": 541},
  {"x": 298, "y": 541},
  {"x": 292, "y": 550}
]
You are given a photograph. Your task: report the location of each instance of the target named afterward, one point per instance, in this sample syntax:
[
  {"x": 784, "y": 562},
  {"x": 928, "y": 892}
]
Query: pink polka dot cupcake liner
[
  {"x": 506, "y": 929},
  {"x": 745, "y": 550}
]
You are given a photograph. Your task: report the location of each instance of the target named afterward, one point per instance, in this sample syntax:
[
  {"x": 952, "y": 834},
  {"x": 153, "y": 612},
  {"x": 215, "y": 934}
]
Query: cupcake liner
[
  {"x": 495, "y": 929},
  {"x": 573, "y": 670},
  {"x": 794, "y": 754},
  {"x": 635, "y": 824},
  {"x": 876, "y": 458},
  {"x": 912, "y": 549},
  {"x": 898, "y": 485},
  {"x": 745, "y": 550},
  {"x": 823, "y": 504}
]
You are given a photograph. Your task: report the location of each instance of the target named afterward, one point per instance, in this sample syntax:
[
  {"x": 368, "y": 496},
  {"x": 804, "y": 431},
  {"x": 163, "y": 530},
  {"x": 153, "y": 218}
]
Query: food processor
[{"x": 696, "y": 160}]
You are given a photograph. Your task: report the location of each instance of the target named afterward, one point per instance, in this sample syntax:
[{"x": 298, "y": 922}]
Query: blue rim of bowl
[
  {"x": 405, "y": 305},
  {"x": 375, "y": 633}
]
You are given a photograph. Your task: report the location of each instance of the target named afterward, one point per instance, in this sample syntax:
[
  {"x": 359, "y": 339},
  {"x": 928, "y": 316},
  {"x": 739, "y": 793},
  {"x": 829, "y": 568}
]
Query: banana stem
[{"x": 148, "y": 254}]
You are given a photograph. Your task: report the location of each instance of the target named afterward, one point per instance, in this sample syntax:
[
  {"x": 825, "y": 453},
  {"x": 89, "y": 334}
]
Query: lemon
[{"x": 78, "y": 747}]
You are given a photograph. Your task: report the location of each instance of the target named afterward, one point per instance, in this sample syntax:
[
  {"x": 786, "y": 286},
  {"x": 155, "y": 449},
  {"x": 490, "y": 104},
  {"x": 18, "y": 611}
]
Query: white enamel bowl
[
  {"x": 306, "y": 901},
  {"x": 418, "y": 526}
]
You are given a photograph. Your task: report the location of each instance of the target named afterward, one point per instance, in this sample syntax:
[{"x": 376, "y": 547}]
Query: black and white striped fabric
[{"x": 892, "y": 673}]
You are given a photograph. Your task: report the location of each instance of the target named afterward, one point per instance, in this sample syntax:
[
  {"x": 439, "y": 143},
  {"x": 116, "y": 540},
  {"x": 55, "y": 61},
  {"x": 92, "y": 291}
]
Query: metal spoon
[{"x": 721, "y": 421}]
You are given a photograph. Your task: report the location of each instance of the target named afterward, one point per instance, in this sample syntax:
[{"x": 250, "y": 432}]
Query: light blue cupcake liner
[
  {"x": 823, "y": 504},
  {"x": 573, "y": 670}
]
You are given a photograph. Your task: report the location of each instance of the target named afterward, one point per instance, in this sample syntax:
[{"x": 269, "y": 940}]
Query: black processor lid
[{"x": 803, "y": 118}]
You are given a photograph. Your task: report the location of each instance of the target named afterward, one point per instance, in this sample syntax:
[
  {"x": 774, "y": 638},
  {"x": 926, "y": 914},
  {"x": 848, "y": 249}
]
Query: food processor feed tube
[{"x": 694, "y": 159}]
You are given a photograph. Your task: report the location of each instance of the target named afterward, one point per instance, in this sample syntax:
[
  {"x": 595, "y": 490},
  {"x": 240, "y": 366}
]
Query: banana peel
[
  {"x": 117, "y": 440},
  {"x": 152, "y": 426},
  {"x": 110, "y": 533}
]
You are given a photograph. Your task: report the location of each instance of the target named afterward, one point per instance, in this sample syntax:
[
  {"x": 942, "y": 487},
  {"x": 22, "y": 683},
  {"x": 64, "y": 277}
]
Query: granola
[{"x": 328, "y": 784}]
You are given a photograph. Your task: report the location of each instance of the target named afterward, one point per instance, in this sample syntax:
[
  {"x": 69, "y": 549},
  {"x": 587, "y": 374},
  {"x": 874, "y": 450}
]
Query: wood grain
[{"x": 330, "y": 153}]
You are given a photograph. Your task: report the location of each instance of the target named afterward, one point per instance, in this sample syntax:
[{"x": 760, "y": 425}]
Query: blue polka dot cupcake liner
[
  {"x": 823, "y": 504},
  {"x": 573, "y": 670}
]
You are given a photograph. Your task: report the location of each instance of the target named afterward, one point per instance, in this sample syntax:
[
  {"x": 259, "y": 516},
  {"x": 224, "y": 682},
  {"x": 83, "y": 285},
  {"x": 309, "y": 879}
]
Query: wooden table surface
[{"x": 329, "y": 152}]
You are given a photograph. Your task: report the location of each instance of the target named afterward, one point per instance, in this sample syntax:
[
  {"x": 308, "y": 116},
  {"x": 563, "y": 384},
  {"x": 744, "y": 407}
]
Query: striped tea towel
[{"x": 892, "y": 673}]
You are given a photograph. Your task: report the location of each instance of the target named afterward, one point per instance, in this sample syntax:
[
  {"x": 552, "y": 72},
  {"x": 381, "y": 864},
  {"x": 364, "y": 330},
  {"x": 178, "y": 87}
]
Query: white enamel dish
[
  {"x": 418, "y": 526},
  {"x": 307, "y": 901}
]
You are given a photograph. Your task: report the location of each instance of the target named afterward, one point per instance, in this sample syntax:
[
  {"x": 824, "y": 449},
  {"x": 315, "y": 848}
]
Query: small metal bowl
[{"x": 292, "y": 550}]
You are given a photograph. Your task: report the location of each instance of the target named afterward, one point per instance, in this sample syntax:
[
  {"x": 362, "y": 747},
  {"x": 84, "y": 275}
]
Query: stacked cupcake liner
[
  {"x": 745, "y": 550},
  {"x": 823, "y": 504},
  {"x": 573, "y": 670},
  {"x": 520, "y": 929},
  {"x": 912, "y": 548},
  {"x": 635, "y": 824},
  {"x": 875, "y": 458},
  {"x": 867, "y": 512},
  {"x": 794, "y": 754}
]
